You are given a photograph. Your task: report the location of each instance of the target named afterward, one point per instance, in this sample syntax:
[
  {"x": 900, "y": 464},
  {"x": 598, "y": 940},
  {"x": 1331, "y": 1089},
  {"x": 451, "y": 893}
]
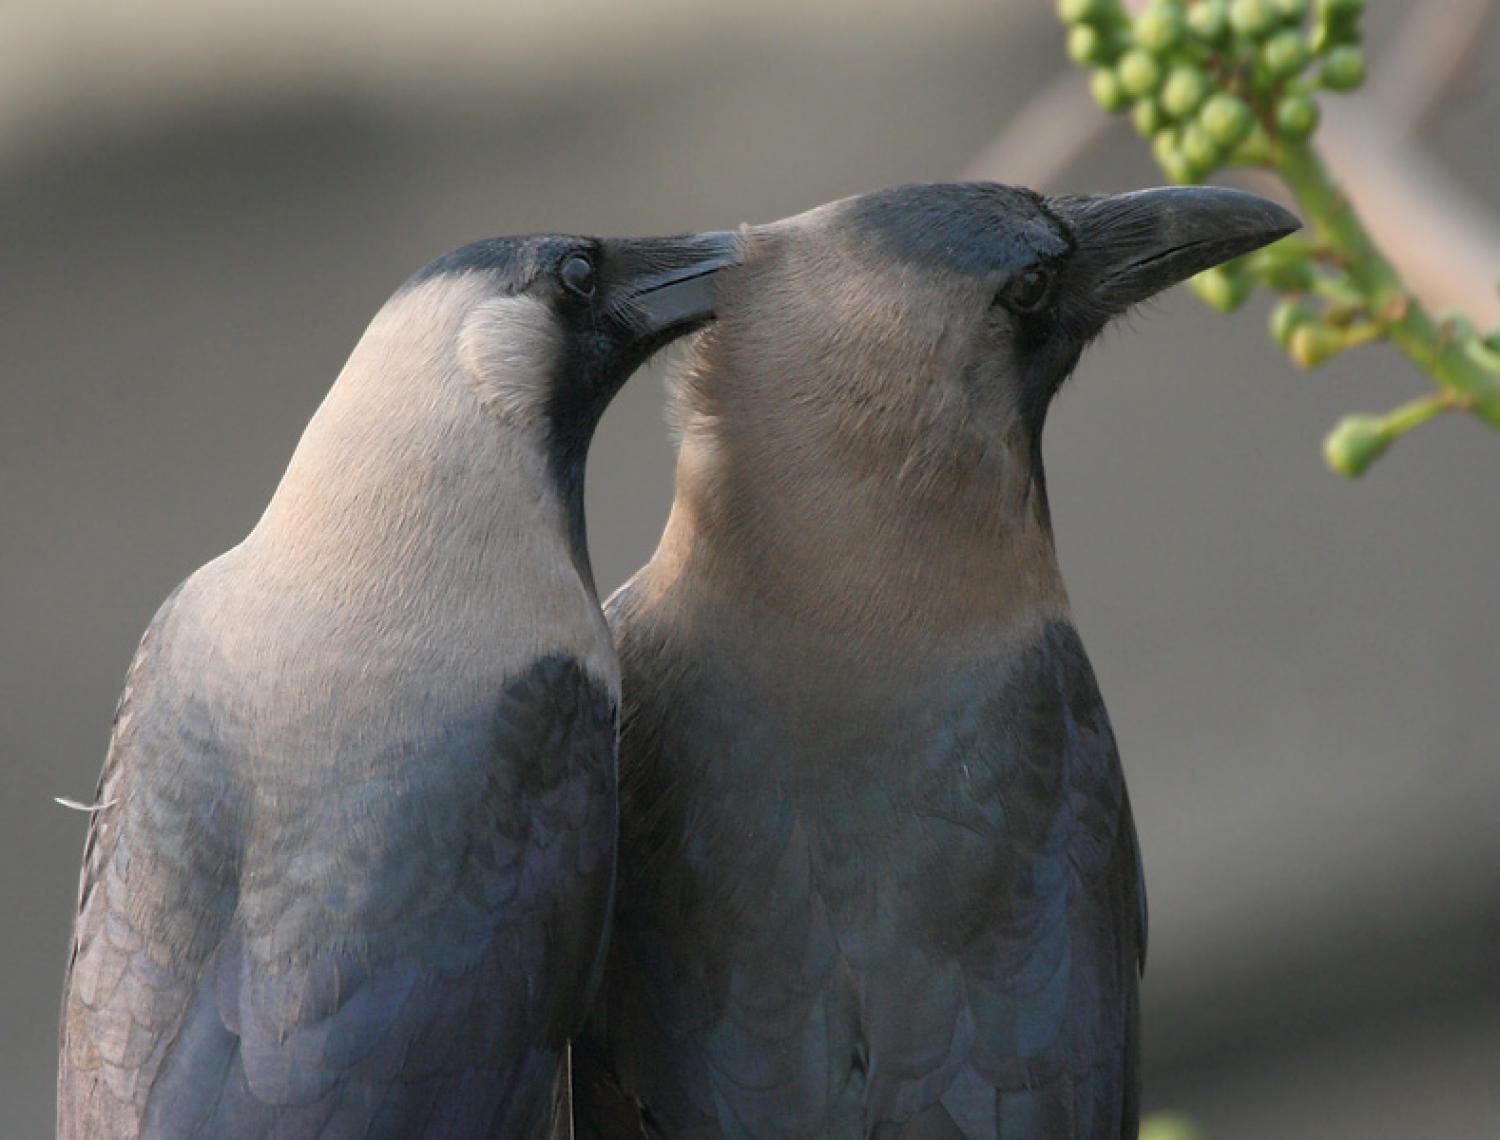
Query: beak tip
[
  {"x": 1280, "y": 222},
  {"x": 1152, "y": 239}
]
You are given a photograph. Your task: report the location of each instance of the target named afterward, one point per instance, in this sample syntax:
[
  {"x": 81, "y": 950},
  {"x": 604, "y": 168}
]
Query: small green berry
[
  {"x": 1224, "y": 287},
  {"x": 1337, "y": 23},
  {"x": 1254, "y": 18},
  {"x": 1312, "y": 343},
  {"x": 1291, "y": 11},
  {"x": 1256, "y": 147},
  {"x": 1184, "y": 91},
  {"x": 1164, "y": 148},
  {"x": 1209, "y": 20},
  {"x": 1148, "y": 117},
  {"x": 1286, "y": 318},
  {"x": 1140, "y": 73},
  {"x": 1227, "y": 119},
  {"x": 1159, "y": 28},
  {"x": 1083, "y": 11},
  {"x": 1356, "y": 442},
  {"x": 1297, "y": 117},
  {"x": 1284, "y": 274},
  {"x": 1087, "y": 44},
  {"x": 1284, "y": 54},
  {"x": 1200, "y": 149},
  {"x": 1185, "y": 172},
  {"x": 1171, "y": 159},
  {"x": 1344, "y": 69},
  {"x": 1107, "y": 90}
]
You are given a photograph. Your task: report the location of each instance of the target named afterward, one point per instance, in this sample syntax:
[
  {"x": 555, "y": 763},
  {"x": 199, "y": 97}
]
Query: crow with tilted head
[{"x": 349, "y": 866}]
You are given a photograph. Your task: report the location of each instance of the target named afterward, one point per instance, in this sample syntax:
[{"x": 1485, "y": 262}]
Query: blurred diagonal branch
[
  {"x": 1045, "y": 137},
  {"x": 1432, "y": 54}
]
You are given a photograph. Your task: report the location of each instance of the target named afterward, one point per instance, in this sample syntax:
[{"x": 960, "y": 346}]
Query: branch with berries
[{"x": 1236, "y": 83}]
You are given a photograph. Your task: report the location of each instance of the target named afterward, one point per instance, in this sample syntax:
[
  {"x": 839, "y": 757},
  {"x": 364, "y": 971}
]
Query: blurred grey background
[{"x": 202, "y": 205}]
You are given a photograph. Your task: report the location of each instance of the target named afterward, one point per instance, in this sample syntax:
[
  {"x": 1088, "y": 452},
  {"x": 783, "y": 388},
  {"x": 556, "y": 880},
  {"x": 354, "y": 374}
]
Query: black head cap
[
  {"x": 614, "y": 302},
  {"x": 1059, "y": 269}
]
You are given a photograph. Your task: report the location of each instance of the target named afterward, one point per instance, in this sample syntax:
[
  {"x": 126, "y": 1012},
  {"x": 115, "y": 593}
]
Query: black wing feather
[
  {"x": 405, "y": 956},
  {"x": 923, "y": 921}
]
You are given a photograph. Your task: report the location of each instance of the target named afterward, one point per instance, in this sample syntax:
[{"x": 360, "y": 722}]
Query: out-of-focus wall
[{"x": 200, "y": 207}]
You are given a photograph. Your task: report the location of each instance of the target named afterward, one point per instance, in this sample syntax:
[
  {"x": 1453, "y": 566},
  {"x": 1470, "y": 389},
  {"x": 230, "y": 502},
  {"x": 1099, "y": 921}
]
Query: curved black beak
[
  {"x": 1135, "y": 245},
  {"x": 667, "y": 284}
]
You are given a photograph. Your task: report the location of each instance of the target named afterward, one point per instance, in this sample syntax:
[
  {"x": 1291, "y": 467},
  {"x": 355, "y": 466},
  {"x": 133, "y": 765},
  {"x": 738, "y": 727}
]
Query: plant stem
[
  {"x": 1417, "y": 412},
  {"x": 1409, "y": 326}
]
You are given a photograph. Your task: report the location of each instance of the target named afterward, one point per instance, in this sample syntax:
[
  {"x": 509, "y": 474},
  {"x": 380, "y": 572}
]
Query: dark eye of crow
[
  {"x": 1027, "y": 292},
  {"x": 578, "y": 275}
]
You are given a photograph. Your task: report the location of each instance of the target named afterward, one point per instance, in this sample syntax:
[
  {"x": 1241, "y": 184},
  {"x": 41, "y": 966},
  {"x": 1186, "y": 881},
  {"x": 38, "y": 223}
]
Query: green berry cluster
[
  {"x": 1236, "y": 82},
  {"x": 1214, "y": 82}
]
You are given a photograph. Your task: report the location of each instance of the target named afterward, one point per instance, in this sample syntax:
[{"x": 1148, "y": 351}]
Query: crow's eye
[
  {"x": 1027, "y": 292},
  {"x": 578, "y": 275}
]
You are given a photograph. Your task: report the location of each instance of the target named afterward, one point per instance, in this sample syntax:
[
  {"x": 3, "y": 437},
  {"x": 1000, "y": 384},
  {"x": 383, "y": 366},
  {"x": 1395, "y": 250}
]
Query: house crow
[
  {"x": 349, "y": 863},
  {"x": 878, "y": 872}
]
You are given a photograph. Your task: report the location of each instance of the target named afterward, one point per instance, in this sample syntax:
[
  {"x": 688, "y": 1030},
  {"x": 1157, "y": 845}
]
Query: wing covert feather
[
  {"x": 939, "y": 935},
  {"x": 404, "y": 956}
]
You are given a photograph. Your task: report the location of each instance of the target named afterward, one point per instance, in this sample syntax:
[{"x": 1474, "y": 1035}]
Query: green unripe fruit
[
  {"x": 1148, "y": 117},
  {"x": 1159, "y": 28},
  {"x": 1164, "y": 149},
  {"x": 1355, "y": 443},
  {"x": 1286, "y": 318},
  {"x": 1184, "y": 91},
  {"x": 1291, "y": 11},
  {"x": 1140, "y": 73},
  {"x": 1227, "y": 119},
  {"x": 1293, "y": 247},
  {"x": 1337, "y": 23},
  {"x": 1284, "y": 54},
  {"x": 1312, "y": 343},
  {"x": 1107, "y": 91},
  {"x": 1083, "y": 11},
  {"x": 1087, "y": 44},
  {"x": 1171, "y": 159},
  {"x": 1254, "y": 18},
  {"x": 1224, "y": 287},
  {"x": 1343, "y": 69},
  {"x": 1297, "y": 117},
  {"x": 1255, "y": 148},
  {"x": 1199, "y": 148},
  {"x": 1181, "y": 170},
  {"x": 1209, "y": 20},
  {"x": 1291, "y": 274}
]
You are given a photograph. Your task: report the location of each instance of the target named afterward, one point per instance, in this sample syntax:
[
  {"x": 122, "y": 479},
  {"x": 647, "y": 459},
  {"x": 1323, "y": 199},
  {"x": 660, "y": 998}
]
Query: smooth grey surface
[{"x": 1301, "y": 671}]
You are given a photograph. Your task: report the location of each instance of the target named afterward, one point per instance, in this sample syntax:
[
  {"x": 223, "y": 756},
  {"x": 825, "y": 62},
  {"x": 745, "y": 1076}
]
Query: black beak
[
  {"x": 1132, "y": 246},
  {"x": 667, "y": 286}
]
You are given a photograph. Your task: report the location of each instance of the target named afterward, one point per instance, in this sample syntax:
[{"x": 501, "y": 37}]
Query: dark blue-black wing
[
  {"x": 952, "y": 951},
  {"x": 1017, "y": 974},
  {"x": 402, "y": 954},
  {"x": 1022, "y": 1005}
]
